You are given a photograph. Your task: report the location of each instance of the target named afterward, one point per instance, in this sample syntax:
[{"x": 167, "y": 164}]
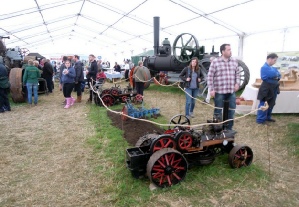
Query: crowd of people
[{"x": 223, "y": 81}]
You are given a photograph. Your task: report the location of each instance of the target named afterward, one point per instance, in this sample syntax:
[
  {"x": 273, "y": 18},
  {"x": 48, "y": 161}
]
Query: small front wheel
[{"x": 239, "y": 156}]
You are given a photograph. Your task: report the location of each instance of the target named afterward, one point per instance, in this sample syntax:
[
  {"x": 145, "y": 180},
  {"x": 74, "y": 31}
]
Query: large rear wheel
[{"x": 166, "y": 167}]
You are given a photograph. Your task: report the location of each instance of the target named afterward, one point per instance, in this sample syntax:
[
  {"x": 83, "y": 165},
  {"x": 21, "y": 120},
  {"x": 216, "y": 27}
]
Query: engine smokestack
[{"x": 156, "y": 35}]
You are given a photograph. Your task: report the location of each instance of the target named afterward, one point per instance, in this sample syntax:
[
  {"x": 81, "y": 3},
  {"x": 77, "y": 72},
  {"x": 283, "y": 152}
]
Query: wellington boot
[
  {"x": 72, "y": 101},
  {"x": 68, "y": 103},
  {"x": 79, "y": 99}
]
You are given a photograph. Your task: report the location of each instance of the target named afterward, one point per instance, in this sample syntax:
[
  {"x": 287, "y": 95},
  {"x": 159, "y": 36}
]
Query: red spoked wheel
[
  {"x": 124, "y": 111},
  {"x": 184, "y": 140},
  {"x": 166, "y": 167},
  {"x": 163, "y": 141},
  {"x": 114, "y": 92},
  {"x": 138, "y": 98},
  {"x": 108, "y": 100},
  {"x": 240, "y": 156},
  {"x": 124, "y": 99},
  {"x": 105, "y": 91}
]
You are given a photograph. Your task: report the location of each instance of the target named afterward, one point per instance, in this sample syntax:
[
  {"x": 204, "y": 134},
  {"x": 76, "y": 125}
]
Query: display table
[
  {"x": 113, "y": 76},
  {"x": 286, "y": 102}
]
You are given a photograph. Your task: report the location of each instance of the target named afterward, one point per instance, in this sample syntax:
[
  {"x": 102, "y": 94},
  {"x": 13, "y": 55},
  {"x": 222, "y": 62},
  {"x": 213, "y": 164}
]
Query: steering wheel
[{"x": 184, "y": 48}]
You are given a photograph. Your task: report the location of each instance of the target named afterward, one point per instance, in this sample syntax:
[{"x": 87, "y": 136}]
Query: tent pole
[{"x": 240, "y": 49}]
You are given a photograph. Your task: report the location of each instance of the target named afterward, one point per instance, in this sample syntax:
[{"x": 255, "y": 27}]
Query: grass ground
[{"x": 55, "y": 157}]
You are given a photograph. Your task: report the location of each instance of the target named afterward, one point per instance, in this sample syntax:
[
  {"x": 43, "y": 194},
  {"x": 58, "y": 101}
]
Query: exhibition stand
[
  {"x": 113, "y": 76},
  {"x": 286, "y": 102}
]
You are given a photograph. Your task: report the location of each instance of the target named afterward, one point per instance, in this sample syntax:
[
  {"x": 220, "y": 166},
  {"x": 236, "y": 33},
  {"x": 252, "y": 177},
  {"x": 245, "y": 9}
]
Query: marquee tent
[{"x": 117, "y": 29}]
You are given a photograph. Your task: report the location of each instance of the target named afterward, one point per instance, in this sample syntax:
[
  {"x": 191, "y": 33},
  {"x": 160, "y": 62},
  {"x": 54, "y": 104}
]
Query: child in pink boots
[{"x": 67, "y": 83}]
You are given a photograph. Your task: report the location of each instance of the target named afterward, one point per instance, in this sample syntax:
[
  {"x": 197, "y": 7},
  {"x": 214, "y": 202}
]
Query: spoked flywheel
[
  {"x": 108, "y": 100},
  {"x": 138, "y": 99},
  {"x": 166, "y": 167},
  {"x": 240, "y": 156},
  {"x": 183, "y": 140},
  {"x": 106, "y": 91},
  {"x": 114, "y": 92},
  {"x": 163, "y": 141},
  {"x": 180, "y": 119},
  {"x": 185, "y": 46}
]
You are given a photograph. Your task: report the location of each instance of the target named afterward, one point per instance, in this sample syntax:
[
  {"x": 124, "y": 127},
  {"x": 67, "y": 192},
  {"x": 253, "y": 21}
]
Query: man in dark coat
[
  {"x": 79, "y": 77},
  {"x": 269, "y": 89},
  {"x": 4, "y": 87},
  {"x": 92, "y": 74},
  {"x": 48, "y": 74}
]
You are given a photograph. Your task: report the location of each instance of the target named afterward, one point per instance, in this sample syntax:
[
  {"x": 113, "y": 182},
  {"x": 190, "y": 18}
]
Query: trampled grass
[
  {"x": 293, "y": 138},
  {"x": 200, "y": 183},
  {"x": 170, "y": 89}
]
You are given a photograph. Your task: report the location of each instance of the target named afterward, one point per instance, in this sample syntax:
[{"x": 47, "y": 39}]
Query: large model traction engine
[
  {"x": 165, "y": 158},
  {"x": 173, "y": 59}
]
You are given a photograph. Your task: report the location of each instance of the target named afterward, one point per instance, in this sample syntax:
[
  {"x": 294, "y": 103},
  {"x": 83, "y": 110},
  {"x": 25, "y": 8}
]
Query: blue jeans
[
  {"x": 190, "y": 102},
  {"x": 263, "y": 116},
  {"x": 219, "y": 98},
  {"x": 31, "y": 86}
]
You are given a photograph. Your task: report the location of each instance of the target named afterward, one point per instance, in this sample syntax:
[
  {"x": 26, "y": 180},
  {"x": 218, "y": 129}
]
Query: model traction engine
[{"x": 165, "y": 158}]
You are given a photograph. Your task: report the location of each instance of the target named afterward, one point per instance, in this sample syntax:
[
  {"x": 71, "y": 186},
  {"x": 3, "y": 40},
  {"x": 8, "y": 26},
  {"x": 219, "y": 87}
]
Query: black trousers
[
  {"x": 90, "y": 90},
  {"x": 67, "y": 89},
  {"x": 4, "y": 99},
  {"x": 139, "y": 87},
  {"x": 78, "y": 88},
  {"x": 49, "y": 84},
  {"x": 127, "y": 75}
]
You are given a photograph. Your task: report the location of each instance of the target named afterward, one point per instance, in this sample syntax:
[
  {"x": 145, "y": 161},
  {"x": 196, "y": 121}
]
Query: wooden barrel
[{"x": 15, "y": 79}]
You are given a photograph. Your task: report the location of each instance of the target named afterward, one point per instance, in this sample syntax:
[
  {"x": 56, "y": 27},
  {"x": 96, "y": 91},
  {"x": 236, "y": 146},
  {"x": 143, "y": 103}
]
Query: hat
[{"x": 1, "y": 59}]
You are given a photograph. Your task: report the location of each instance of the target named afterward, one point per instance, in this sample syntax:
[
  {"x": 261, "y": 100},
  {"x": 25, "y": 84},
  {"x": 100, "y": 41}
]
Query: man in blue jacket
[{"x": 269, "y": 89}]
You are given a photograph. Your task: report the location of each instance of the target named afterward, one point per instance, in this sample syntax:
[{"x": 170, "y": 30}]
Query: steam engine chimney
[{"x": 156, "y": 35}]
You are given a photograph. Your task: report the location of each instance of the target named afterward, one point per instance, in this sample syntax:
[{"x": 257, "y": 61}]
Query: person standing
[
  {"x": 4, "y": 87},
  {"x": 140, "y": 76},
  {"x": 224, "y": 81},
  {"x": 48, "y": 74},
  {"x": 117, "y": 67},
  {"x": 269, "y": 89},
  {"x": 91, "y": 75},
  {"x": 79, "y": 79},
  {"x": 30, "y": 79},
  {"x": 67, "y": 83},
  {"x": 62, "y": 66},
  {"x": 192, "y": 76},
  {"x": 127, "y": 70}
]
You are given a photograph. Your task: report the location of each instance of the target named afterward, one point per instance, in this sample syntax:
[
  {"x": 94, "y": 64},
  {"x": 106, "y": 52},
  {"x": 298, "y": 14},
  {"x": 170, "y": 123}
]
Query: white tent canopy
[{"x": 118, "y": 29}]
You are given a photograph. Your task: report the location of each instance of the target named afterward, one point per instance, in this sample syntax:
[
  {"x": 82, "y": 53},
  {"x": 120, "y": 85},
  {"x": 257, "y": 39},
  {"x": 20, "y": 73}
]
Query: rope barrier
[{"x": 175, "y": 125}]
